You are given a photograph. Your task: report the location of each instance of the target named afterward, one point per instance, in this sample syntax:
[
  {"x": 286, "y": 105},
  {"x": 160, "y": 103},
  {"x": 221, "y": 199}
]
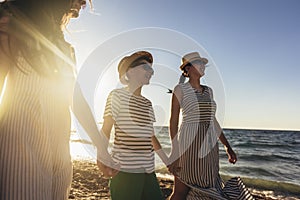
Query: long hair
[{"x": 35, "y": 32}]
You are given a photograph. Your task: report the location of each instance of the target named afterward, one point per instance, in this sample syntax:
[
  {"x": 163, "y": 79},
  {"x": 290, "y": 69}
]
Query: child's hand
[{"x": 108, "y": 171}]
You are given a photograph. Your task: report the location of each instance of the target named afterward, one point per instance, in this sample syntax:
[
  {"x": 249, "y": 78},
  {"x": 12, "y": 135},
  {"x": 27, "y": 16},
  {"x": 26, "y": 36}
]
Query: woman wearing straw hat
[
  {"x": 132, "y": 116},
  {"x": 196, "y": 142}
]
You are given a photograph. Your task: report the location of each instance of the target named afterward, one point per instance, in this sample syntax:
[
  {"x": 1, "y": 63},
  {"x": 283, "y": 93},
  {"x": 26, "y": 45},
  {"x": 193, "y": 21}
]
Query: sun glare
[{"x": 3, "y": 90}]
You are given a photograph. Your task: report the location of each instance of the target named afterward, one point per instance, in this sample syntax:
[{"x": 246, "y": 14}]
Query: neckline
[
  {"x": 196, "y": 90},
  {"x": 132, "y": 94}
]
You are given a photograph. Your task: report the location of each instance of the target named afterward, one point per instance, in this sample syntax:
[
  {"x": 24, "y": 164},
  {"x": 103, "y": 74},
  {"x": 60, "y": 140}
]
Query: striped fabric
[
  {"x": 134, "y": 118},
  {"x": 235, "y": 189},
  {"x": 198, "y": 144},
  {"x": 35, "y": 162}
]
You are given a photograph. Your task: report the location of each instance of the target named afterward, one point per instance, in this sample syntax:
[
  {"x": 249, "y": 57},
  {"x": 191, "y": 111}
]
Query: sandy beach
[{"x": 88, "y": 185}]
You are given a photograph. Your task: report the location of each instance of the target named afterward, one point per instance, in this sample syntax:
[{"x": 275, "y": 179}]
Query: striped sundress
[
  {"x": 35, "y": 162},
  {"x": 199, "y": 149},
  {"x": 198, "y": 145}
]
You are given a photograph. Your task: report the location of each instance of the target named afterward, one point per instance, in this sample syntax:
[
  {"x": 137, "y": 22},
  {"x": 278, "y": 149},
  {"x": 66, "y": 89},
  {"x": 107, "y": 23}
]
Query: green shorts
[{"x": 135, "y": 186}]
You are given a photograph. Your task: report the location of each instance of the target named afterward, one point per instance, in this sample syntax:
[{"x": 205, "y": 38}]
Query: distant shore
[{"x": 88, "y": 184}]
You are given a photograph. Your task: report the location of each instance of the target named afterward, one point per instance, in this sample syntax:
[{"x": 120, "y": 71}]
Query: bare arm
[
  {"x": 174, "y": 120},
  {"x": 100, "y": 138},
  {"x": 109, "y": 169},
  {"x": 107, "y": 126},
  {"x": 158, "y": 149},
  {"x": 85, "y": 117},
  {"x": 155, "y": 143},
  {"x": 232, "y": 158},
  {"x": 175, "y": 110}
]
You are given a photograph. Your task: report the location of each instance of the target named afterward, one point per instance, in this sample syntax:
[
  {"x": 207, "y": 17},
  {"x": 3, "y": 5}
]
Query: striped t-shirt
[{"x": 134, "y": 118}]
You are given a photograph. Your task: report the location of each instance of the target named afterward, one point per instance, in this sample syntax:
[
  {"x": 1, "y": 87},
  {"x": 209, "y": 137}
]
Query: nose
[{"x": 151, "y": 71}]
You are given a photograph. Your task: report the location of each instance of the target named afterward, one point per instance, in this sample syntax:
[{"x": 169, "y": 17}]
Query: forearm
[
  {"x": 232, "y": 158},
  {"x": 86, "y": 119},
  {"x": 159, "y": 151},
  {"x": 220, "y": 132},
  {"x": 102, "y": 152},
  {"x": 224, "y": 141}
]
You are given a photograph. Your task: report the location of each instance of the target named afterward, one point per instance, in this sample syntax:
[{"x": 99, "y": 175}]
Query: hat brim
[
  {"x": 128, "y": 60},
  {"x": 204, "y": 60},
  {"x": 140, "y": 55}
]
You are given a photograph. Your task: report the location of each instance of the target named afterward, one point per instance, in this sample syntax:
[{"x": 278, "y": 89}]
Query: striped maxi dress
[
  {"x": 35, "y": 162},
  {"x": 198, "y": 140}
]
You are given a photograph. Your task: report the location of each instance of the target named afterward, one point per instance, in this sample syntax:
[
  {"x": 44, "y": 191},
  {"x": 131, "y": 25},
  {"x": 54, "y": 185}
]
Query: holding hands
[
  {"x": 106, "y": 165},
  {"x": 107, "y": 171},
  {"x": 174, "y": 167}
]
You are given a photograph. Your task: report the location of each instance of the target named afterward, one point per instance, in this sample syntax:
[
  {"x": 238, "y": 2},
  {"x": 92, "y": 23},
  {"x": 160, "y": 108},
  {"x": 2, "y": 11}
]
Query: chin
[{"x": 146, "y": 83}]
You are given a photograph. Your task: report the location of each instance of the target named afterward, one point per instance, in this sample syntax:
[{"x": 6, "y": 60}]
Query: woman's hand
[
  {"x": 108, "y": 171},
  {"x": 174, "y": 167},
  {"x": 106, "y": 164},
  {"x": 232, "y": 158}
]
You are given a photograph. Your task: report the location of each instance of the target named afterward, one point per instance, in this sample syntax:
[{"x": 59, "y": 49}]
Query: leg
[{"x": 180, "y": 190}]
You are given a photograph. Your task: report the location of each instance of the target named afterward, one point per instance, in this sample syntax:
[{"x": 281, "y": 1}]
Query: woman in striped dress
[
  {"x": 197, "y": 139},
  {"x": 37, "y": 63},
  {"x": 132, "y": 116}
]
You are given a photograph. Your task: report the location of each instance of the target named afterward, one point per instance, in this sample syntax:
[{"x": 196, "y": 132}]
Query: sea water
[{"x": 266, "y": 158}]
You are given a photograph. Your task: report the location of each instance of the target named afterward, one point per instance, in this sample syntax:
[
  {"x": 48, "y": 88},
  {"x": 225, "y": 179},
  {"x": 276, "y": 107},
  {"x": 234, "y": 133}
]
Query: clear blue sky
[{"x": 255, "y": 46}]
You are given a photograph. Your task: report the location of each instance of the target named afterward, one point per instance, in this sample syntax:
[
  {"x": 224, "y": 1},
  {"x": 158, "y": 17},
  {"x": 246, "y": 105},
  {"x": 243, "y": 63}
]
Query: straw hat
[
  {"x": 127, "y": 61},
  {"x": 190, "y": 57}
]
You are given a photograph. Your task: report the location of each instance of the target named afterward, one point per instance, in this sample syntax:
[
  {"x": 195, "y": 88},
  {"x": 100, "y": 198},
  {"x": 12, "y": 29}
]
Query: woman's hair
[
  {"x": 35, "y": 31},
  {"x": 182, "y": 78},
  {"x": 185, "y": 72}
]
